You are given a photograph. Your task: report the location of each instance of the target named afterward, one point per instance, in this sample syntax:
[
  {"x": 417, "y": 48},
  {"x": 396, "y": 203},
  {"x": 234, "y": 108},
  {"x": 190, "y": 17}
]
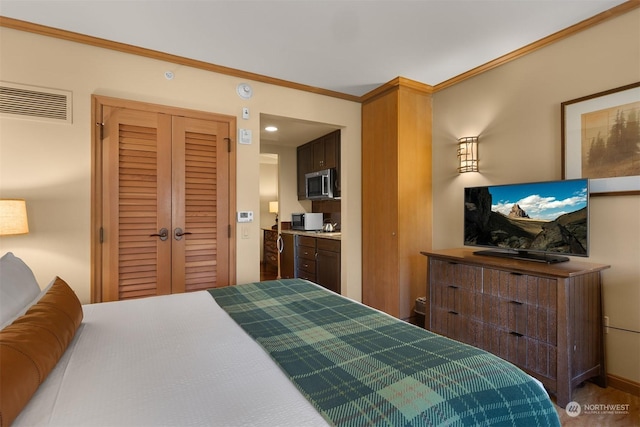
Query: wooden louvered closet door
[
  {"x": 162, "y": 171},
  {"x": 199, "y": 189}
]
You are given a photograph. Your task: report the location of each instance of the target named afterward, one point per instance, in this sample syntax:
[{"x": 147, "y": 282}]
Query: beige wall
[
  {"x": 515, "y": 109},
  {"x": 49, "y": 164}
]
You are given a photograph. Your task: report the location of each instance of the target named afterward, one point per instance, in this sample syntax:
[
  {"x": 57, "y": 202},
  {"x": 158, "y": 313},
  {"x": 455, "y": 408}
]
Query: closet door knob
[
  {"x": 163, "y": 234},
  {"x": 178, "y": 233}
]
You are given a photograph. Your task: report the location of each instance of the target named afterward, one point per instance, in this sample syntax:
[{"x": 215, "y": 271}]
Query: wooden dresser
[{"x": 544, "y": 318}]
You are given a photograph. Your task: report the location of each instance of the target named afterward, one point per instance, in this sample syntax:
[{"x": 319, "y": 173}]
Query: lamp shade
[
  {"x": 273, "y": 207},
  {"x": 13, "y": 217},
  {"x": 468, "y": 154}
]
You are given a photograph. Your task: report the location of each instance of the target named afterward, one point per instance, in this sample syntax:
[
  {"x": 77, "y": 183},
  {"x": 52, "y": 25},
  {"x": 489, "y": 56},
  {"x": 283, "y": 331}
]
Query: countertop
[{"x": 321, "y": 234}]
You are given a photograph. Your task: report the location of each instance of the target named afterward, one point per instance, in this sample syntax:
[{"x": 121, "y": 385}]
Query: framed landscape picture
[{"x": 601, "y": 140}]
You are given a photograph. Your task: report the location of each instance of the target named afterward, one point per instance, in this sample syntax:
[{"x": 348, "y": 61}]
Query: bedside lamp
[
  {"x": 273, "y": 208},
  {"x": 13, "y": 217}
]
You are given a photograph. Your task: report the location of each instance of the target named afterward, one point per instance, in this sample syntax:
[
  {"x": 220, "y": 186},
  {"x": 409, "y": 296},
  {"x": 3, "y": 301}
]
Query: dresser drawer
[
  {"x": 523, "y": 304},
  {"x": 452, "y": 273}
]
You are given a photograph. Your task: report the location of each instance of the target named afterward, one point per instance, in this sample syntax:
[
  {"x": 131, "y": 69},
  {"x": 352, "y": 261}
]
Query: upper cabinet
[
  {"x": 326, "y": 151},
  {"x": 305, "y": 165},
  {"x": 321, "y": 153}
]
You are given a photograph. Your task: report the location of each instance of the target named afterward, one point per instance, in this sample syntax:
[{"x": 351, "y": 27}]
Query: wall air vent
[{"x": 35, "y": 103}]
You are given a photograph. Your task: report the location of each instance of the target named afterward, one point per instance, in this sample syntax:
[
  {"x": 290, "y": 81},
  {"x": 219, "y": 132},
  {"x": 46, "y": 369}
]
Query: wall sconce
[
  {"x": 13, "y": 217},
  {"x": 468, "y": 154},
  {"x": 273, "y": 208}
]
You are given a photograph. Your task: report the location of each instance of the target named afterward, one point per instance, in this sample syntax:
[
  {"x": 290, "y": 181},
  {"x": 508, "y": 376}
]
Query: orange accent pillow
[{"x": 32, "y": 345}]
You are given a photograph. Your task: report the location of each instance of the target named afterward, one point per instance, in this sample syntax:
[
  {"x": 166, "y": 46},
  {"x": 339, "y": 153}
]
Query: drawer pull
[
  {"x": 516, "y": 274},
  {"x": 516, "y": 302},
  {"x": 453, "y": 287},
  {"x": 517, "y": 334},
  {"x": 453, "y": 312}
]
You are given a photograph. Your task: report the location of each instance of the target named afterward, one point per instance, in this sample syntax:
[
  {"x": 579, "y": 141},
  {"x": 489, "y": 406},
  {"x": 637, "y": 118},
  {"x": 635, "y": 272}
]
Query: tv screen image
[{"x": 533, "y": 221}]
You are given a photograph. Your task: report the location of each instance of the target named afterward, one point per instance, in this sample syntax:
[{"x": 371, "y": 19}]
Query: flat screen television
[{"x": 537, "y": 221}]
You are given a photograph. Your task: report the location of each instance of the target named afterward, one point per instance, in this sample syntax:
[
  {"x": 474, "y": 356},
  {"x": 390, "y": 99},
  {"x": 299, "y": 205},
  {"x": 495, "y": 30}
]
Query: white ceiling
[{"x": 347, "y": 46}]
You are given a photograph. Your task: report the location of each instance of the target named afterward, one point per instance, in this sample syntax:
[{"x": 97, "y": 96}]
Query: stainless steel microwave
[
  {"x": 306, "y": 221},
  {"x": 320, "y": 185}
]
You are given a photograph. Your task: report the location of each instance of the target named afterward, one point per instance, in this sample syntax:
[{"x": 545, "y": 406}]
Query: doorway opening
[
  {"x": 269, "y": 208},
  {"x": 280, "y": 146}
]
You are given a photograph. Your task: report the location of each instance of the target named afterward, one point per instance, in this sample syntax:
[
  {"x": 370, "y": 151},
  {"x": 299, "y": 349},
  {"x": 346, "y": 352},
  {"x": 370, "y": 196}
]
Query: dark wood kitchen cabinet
[
  {"x": 305, "y": 165},
  {"x": 326, "y": 151},
  {"x": 544, "y": 318},
  {"x": 328, "y": 264},
  {"x": 306, "y": 257},
  {"x": 287, "y": 256},
  {"x": 318, "y": 260},
  {"x": 321, "y": 153}
]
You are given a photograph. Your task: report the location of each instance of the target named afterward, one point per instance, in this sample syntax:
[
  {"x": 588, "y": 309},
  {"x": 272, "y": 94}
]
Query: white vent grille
[{"x": 37, "y": 103}]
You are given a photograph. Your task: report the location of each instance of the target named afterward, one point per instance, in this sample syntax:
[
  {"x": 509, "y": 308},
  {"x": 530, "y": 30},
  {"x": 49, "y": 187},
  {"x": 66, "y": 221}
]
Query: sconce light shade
[
  {"x": 468, "y": 154},
  {"x": 13, "y": 217}
]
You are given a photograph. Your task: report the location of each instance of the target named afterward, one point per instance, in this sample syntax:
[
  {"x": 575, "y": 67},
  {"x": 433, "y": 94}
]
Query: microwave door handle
[{"x": 325, "y": 185}]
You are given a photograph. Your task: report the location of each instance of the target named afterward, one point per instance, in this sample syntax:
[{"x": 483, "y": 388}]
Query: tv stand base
[{"x": 524, "y": 256}]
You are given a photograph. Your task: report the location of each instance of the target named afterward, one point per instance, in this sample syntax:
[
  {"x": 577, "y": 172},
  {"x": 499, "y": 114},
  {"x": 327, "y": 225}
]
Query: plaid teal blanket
[{"x": 360, "y": 367}]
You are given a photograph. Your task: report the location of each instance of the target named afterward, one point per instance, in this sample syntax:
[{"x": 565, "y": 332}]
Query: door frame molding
[{"x": 97, "y": 104}]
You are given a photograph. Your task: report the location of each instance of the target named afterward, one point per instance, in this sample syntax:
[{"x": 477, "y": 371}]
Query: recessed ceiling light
[{"x": 271, "y": 128}]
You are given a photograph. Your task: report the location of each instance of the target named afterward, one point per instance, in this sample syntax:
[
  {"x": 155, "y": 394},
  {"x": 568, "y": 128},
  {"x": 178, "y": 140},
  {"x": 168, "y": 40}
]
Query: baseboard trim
[{"x": 623, "y": 384}]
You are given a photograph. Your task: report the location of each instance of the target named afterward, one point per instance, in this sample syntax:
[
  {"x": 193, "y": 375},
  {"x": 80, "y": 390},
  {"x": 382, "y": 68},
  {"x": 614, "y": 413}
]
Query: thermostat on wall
[{"x": 245, "y": 216}]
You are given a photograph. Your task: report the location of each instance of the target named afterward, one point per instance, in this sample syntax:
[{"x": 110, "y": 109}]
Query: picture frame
[{"x": 601, "y": 140}]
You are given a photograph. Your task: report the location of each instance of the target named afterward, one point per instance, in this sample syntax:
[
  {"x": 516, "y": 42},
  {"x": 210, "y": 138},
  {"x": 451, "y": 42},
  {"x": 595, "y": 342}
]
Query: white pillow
[{"x": 18, "y": 288}]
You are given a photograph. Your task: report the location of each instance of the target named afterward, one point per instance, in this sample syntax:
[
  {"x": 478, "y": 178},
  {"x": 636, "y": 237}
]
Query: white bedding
[{"x": 169, "y": 360}]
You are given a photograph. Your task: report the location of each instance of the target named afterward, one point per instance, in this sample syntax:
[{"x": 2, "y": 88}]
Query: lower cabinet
[
  {"x": 306, "y": 257},
  {"x": 328, "y": 264},
  {"x": 317, "y": 259},
  {"x": 287, "y": 249},
  {"x": 546, "y": 319}
]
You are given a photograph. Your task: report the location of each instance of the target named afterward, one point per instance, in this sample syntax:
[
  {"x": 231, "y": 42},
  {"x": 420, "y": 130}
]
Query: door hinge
[{"x": 101, "y": 235}]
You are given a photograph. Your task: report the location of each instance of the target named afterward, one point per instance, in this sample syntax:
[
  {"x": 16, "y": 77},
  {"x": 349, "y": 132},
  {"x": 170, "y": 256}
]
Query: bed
[{"x": 273, "y": 353}]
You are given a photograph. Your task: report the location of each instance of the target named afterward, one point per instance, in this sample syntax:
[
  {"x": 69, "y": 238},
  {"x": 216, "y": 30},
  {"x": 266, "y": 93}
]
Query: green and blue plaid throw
[{"x": 360, "y": 367}]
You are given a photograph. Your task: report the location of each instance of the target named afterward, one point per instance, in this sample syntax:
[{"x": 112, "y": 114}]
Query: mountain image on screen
[{"x": 540, "y": 217}]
